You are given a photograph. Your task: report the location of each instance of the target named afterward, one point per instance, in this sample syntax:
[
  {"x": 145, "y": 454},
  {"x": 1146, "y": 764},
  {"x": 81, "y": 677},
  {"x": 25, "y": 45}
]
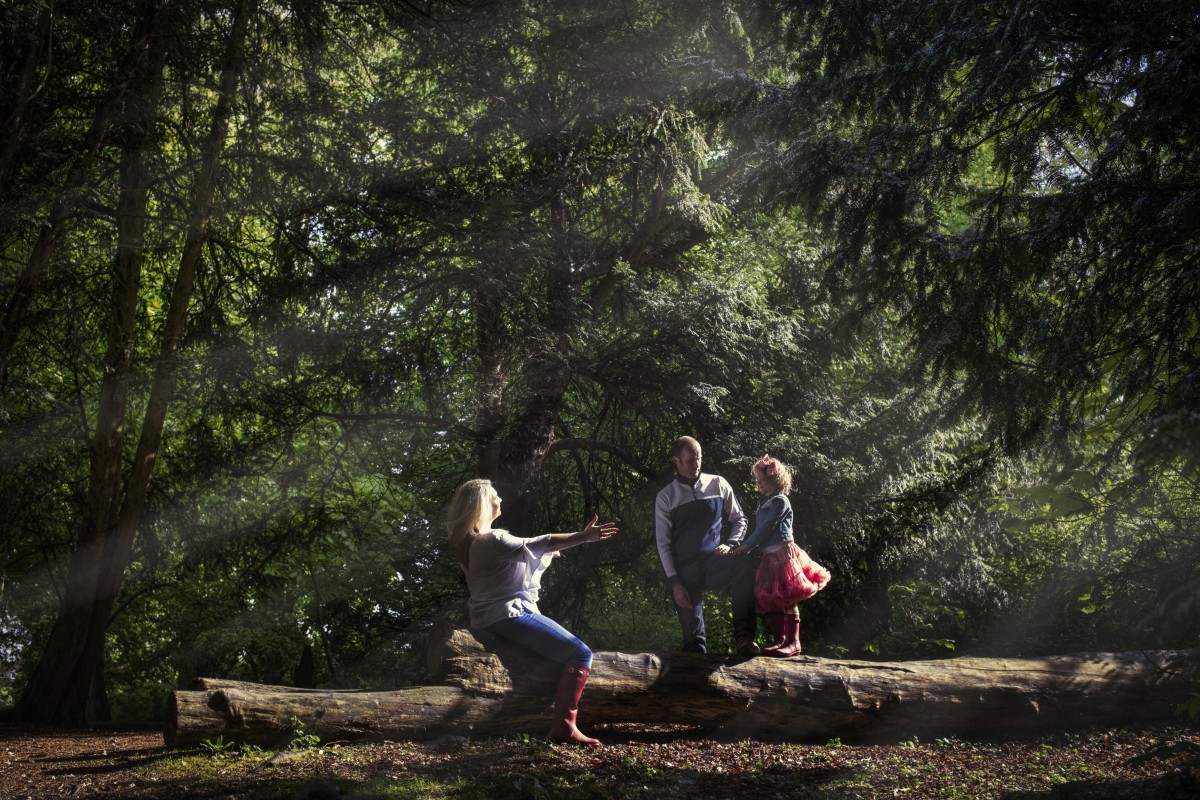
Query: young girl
[
  {"x": 786, "y": 575},
  {"x": 504, "y": 576}
]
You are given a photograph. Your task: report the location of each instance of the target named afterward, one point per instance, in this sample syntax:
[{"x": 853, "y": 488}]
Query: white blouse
[{"x": 504, "y": 575}]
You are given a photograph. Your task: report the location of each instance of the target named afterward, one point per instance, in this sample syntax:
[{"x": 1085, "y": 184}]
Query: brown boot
[
  {"x": 566, "y": 705},
  {"x": 775, "y": 625},
  {"x": 746, "y": 646},
  {"x": 791, "y": 636}
]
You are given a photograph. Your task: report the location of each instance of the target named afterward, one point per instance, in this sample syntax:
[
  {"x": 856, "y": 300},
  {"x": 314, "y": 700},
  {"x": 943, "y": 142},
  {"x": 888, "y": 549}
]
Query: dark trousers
[{"x": 709, "y": 573}]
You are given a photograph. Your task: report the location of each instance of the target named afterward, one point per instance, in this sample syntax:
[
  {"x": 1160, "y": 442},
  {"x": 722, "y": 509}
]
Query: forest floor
[{"x": 653, "y": 762}]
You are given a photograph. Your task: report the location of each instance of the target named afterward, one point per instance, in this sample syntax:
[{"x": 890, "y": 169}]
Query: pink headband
[{"x": 766, "y": 464}]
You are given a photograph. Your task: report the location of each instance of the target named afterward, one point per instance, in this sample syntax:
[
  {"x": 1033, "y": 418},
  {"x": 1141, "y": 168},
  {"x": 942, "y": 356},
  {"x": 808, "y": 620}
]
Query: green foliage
[
  {"x": 924, "y": 624},
  {"x": 300, "y": 740},
  {"x": 218, "y": 746},
  {"x": 1192, "y": 707}
]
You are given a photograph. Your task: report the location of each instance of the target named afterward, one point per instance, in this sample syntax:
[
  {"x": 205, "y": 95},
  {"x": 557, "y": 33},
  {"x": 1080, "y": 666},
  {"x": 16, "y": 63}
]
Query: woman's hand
[
  {"x": 741, "y": 549},
  {"x": 599, "y": 532}
]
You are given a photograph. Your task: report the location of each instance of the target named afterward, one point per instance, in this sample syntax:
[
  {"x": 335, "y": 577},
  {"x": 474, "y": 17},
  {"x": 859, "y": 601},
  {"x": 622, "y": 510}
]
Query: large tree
[
  {"x": 1017, "y": 186},
  {"x": 1019, "y": 183},
  {"x": 63, "y": 684}
]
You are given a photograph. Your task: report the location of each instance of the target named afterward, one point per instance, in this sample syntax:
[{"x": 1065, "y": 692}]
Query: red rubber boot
[
  {"x": 566, "y": 706},
  {"x": 775, "y": 625},
  {"x": 791, "y": 632}
]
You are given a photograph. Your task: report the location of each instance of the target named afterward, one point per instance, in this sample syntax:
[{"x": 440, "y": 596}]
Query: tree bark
[{"x": 796, "y": 699}]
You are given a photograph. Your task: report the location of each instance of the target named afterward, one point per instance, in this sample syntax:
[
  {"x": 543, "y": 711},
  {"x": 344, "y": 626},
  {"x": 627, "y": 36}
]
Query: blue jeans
[{"x": 543, "y": 636}]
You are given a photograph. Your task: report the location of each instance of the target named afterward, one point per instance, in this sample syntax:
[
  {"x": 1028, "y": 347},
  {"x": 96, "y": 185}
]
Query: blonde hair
[
  {"x": 781, "y": 479},
  {"x": 466, "y": 517}
]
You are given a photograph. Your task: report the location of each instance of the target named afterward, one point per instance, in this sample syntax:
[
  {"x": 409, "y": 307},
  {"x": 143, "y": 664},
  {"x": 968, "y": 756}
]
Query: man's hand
[
  {"x": 722, "y": 549},
  {"x": 741, "y": 549},
  {"x": 682, "y": 598}
]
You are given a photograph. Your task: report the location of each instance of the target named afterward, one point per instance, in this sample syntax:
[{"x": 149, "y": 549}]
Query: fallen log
[{"x": 494, "y": 689}]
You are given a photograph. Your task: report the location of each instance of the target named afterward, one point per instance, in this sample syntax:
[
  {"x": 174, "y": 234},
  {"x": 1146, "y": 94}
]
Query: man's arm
[
  {"x": 733, "y": 513},
  {"x": 662, "y": 536}
]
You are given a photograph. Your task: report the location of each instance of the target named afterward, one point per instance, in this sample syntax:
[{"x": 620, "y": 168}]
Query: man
[{"x": 689, "y": 514}]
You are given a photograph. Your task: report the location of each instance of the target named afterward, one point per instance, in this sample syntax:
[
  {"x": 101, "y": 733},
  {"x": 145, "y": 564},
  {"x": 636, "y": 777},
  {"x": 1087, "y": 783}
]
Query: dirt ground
[
  {"x": 657, "y": 764},
  {"x": 46, "y": 762}
]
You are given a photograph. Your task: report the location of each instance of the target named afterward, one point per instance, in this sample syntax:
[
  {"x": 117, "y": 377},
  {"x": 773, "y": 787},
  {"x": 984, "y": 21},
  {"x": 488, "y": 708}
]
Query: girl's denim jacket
[{"x": 773, "y": 523}]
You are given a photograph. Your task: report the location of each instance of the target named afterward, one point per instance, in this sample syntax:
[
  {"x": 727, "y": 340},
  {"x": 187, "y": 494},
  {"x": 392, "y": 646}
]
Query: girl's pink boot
[
  {"x": 775, "y": 624},
  {"x": 791, "y": 633}
]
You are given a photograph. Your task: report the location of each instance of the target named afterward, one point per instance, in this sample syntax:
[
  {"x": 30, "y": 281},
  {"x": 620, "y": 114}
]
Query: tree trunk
[
  {"x": 796, "y": 699},
  {"x": 62, "y": 687},
  {"x": 162, "y": 390}
]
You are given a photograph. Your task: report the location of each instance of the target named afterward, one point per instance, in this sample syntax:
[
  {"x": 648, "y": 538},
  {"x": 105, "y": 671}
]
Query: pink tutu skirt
[{"x": 785, "y": 577}]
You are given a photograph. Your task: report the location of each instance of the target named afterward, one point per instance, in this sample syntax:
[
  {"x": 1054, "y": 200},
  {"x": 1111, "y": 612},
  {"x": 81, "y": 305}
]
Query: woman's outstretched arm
[{"x": 594, "y": 531}]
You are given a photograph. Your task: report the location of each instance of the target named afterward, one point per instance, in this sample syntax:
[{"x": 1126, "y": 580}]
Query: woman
[{"x": 504, "y": 575}]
